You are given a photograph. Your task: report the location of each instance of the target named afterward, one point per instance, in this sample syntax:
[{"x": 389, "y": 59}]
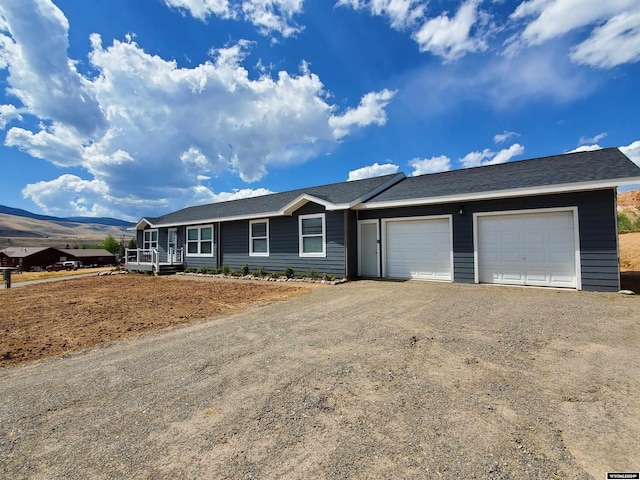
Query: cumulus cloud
[
  {"x": 586, "y": 148},
  {"x": 451, "y": 37},
  {"x": 34, "y": 50},
  {"x": 423, "y": 166},
  {"x": 141, "y": 120},
  {"x": 613, "y": 27},
  {"x": 370, "y": 111},
  {"x": 612, "y": 44},
  {"x": 632, "y": 151},
  {"x": 591, "y": 140},
  {"x": 268, "y": 16},
  {"x": 374, "y": 170},
  {"x": 504, "y": 136},
  {"x": 401, "y": 13},
  {"x": 488, "y": 157}
]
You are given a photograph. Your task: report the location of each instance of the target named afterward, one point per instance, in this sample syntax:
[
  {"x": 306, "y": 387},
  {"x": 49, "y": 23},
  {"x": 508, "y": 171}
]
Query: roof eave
[{"x": 509, "y": 193}]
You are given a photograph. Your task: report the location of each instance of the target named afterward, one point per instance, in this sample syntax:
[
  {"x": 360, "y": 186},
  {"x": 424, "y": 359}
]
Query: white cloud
[
  {"x": 268, "y": 16},
  {"x": 504, "y": 136},
  {"x": 613, "y": 27},
  {"x": 159, "y": 129},
  {"x": 370, "y": 111},
  {"x": 586, "y": 148},
  {"x": 591, "y": 140},
  {"x": 612, "y": 44},
  {"x": 8, "y": 113},
  {"x": 632, "y": 151},
  {"x": 39, "y": 73},
  {"x": 374, "y": 170},
  {"x": 488, "y": 157},
  {"x": 423, "y": 166},
  {"x": 451, "y": 38},
  {"x": 401, "y": 13}
]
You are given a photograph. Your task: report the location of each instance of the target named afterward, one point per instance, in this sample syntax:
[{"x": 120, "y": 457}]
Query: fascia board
[
  {"x": 516, "y": 192},
  {"x": 143, "y": 221},
  {"x": 298, "y": 202}
]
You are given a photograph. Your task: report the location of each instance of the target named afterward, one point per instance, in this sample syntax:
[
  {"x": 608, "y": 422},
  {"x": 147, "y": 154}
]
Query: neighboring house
[
  {"x": 89, "y": 256},
  {"x": 26, "y": 258},
  {"x": 543, "y": 222}
]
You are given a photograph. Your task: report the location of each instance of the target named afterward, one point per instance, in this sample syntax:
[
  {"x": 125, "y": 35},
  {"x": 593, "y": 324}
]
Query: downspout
[
  {"x": 346, "y": 243},
  {"x": 615, "y": 216},
  {"x": 218, "y": 247}
]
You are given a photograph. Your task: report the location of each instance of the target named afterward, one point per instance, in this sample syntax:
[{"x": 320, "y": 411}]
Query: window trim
[
  {"x": 252, "y": 238},
  {"x": 301, "y": 237},
  {"x": 199, "y": 241},
  {"x": 148, "y": 245}
]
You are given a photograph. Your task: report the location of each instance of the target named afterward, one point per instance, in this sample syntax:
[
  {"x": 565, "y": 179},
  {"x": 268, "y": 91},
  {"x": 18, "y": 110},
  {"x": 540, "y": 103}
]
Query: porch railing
[{"x": 151, "y": 256}]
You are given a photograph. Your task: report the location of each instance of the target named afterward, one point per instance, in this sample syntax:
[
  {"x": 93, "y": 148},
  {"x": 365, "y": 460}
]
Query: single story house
[
  {"x": 542, "y": 222},
  {"x": 26, "y": 258},
  {"x": 89, "y": 256}
]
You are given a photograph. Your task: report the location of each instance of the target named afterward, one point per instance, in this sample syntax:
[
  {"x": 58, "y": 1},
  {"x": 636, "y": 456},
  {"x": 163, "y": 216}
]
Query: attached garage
[
  {"x": 535, "y": 248},
  {"x": 419, "y": 248}
]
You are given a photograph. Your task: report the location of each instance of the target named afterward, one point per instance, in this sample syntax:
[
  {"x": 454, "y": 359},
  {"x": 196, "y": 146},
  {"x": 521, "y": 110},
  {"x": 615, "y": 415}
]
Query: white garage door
[
  {"x": 418, "y": 249},
  {"x": 528, "y": 249}
]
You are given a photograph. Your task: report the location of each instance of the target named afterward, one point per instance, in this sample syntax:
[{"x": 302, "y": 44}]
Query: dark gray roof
[
  {"x": 22, "y": 252},
  {"x": 336, "y": 193},
  {"x": 571, "y": 168},
  {"x": 87, "y": 252}
]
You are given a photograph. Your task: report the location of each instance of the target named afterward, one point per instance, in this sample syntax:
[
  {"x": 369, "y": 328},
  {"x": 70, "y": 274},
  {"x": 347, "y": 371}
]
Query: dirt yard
[{"x": 60, "y": 317}]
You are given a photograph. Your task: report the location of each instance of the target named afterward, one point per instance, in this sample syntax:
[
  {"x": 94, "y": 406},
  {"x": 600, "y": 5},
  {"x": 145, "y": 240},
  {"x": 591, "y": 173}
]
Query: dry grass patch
[{"x": 55, "y": 318}]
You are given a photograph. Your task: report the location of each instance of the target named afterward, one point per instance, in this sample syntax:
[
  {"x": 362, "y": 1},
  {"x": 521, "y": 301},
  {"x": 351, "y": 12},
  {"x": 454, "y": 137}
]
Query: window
[
  {"x": 200, "y": 241},
  {"x": 150, "y": 239},
  {"x": 259, "y": 238},
  {"x": 312, "y": 235}
]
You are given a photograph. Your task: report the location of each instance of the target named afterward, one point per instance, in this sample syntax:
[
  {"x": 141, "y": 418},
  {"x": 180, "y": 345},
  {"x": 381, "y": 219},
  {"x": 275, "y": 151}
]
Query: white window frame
[
  {"x": 199, "y": 241},
  {"x": 252, "y": 238},
  {"x": 301, "y": 237},
  {"x": 149, "y": 244}
]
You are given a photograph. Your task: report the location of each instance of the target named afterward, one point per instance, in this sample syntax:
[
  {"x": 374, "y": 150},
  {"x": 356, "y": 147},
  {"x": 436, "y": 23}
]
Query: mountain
[{"x": 112, "y": 222}]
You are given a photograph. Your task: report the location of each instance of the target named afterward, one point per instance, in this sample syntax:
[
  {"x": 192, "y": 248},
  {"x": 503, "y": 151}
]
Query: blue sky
[{"x": 136, "y": 108}]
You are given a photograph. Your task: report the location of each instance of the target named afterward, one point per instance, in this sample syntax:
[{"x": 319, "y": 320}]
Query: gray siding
[
  {"x": 284, "y": 245},
  {"x": 197, "y": 262},
  {"x": 597, "y": 227}
]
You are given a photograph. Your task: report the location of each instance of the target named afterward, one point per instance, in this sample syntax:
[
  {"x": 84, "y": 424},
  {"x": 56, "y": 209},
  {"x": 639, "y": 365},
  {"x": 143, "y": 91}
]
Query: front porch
[{"x": 154, "y": 261}]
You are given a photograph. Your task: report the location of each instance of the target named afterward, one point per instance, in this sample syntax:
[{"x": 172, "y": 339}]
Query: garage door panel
[
  {"x": 527, "y": 249},
  {"x": 419, "y": 249}
]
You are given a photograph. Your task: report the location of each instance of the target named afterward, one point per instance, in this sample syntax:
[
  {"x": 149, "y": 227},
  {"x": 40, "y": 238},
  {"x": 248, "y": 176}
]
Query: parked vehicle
[{"x": 68, "y": 265}]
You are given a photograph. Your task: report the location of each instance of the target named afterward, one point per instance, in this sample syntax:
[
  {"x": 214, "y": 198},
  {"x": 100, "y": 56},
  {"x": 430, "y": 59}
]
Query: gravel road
[{"x": 363, "y": 380}]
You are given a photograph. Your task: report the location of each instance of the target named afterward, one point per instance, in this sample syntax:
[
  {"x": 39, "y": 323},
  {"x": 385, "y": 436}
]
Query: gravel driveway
[{"x": 363, "y": 380}]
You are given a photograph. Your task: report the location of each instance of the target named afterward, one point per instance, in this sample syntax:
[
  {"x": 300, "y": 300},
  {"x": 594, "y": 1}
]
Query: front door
[
  {"x": 368, "y": 249},
  {"x": 172, "y": 246}
]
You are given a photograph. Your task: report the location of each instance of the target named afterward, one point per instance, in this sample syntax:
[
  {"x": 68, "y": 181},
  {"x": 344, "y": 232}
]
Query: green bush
[
  {"x": 274, "y": 275},
  {"x": 225, "y": 269},
  {"x": 245, "y": 269},
  {"x": 202, "y": 270},
  {"x": 328, "y": 278},
  {"x": 313, "y": 273},
  {"x": 289, "y": 272},
  {"x": 624, "y": 223},
  {"x": 262, "y": 272}
]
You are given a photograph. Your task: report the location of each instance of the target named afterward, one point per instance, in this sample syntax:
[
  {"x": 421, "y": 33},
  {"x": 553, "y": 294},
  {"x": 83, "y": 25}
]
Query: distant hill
[
  {"x": 111, "y": 222},
  {"x": 25, "y": 229}
]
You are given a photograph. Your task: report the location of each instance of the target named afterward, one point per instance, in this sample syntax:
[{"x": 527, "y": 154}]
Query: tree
[
  {"x": 111, "y": 245},
  {"x": 132, "y": 244}
]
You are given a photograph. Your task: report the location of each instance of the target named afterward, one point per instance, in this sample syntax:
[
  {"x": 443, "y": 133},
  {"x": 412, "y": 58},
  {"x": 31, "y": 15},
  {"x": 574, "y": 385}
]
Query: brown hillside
[{"x": 629, "y": 199}]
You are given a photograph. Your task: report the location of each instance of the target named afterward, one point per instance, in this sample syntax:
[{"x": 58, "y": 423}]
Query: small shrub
[
  {"x": 245, "y": 269},
  {"x": 189, "y": 270},
  {"x": 274, "y": 275},
  {"x": 313, "y": 273},
  {"x": 328, "y": 278},
  {"x": 225, "y": 269},
  {"x": 202, "y": 270},
  {"x": 235, "y": 273},
  {"x": 624, "y": 223},
  {"x": 289, "y": 272},
  {"x": 262, "y": 272}
]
